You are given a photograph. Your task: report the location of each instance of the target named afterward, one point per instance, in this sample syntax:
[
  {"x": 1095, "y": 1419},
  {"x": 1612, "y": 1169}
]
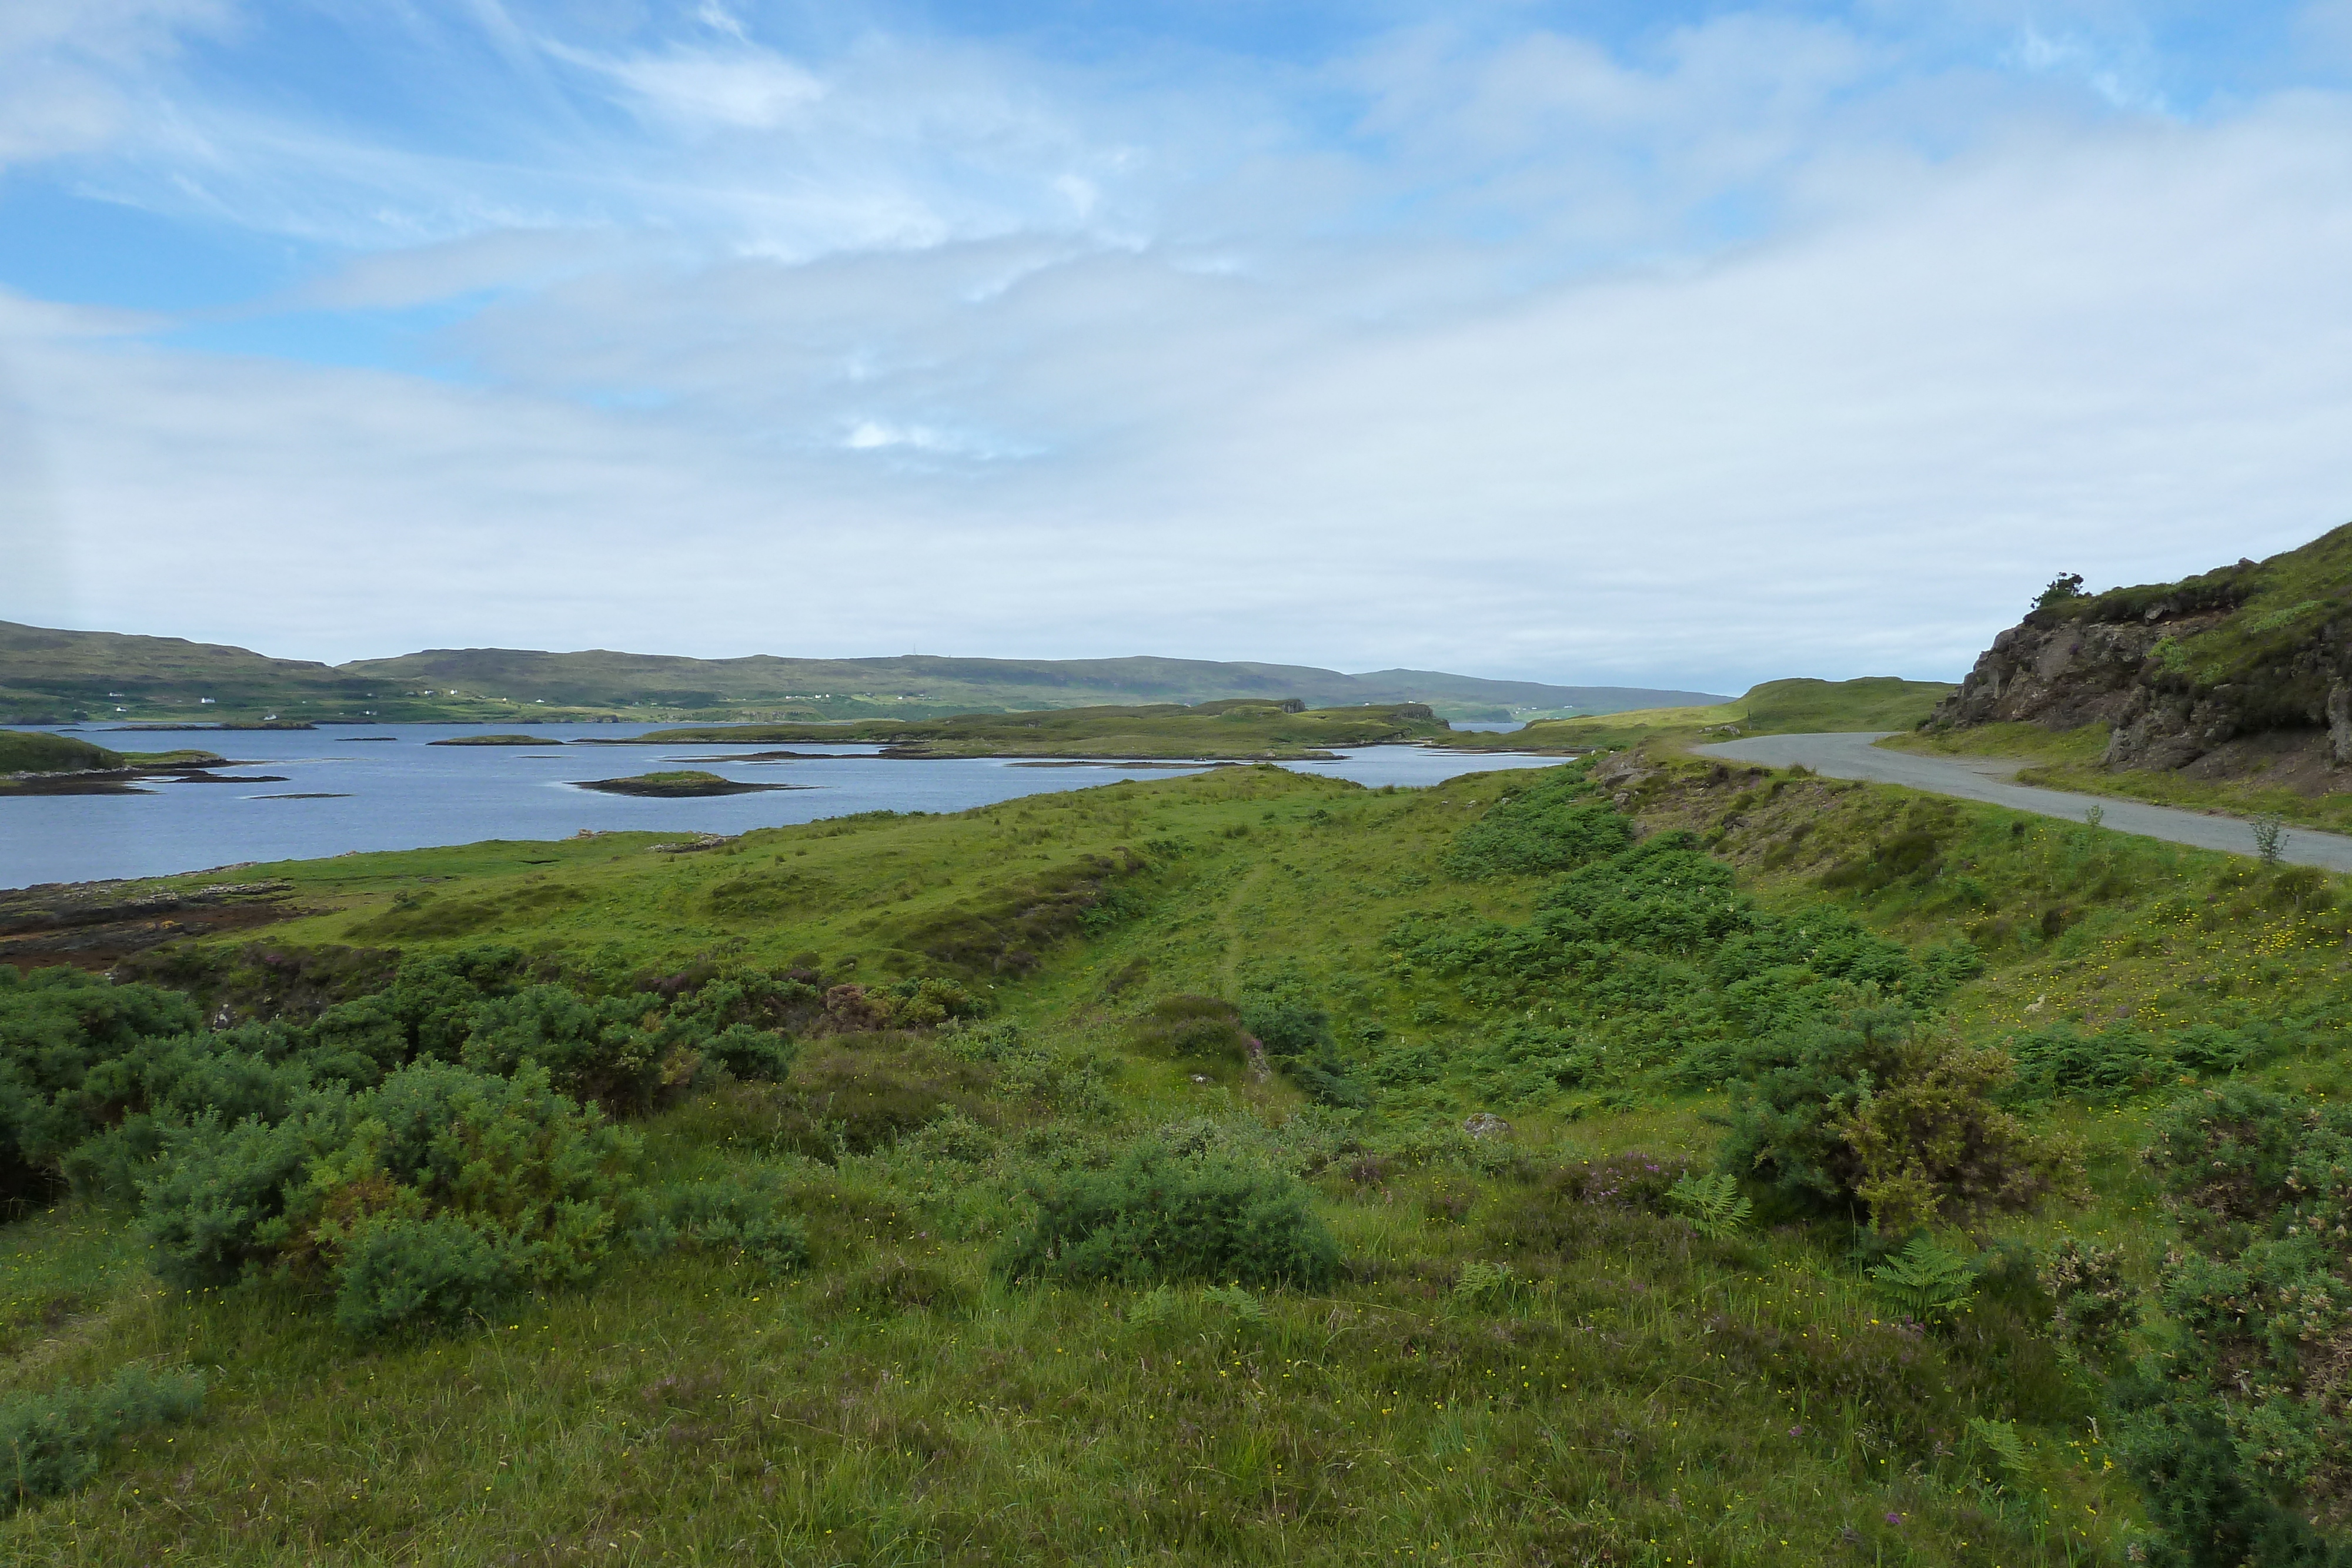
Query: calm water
[{"x": 400, "y": 793}]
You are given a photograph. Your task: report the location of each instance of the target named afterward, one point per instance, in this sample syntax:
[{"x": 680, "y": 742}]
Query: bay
[{"x": 335, "y": 790}]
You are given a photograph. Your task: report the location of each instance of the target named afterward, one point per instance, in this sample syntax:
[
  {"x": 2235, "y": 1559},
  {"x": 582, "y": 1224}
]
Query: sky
[{"x": 1660, "y": 343}]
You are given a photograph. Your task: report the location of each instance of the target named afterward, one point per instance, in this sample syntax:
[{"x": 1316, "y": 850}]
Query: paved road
[{"x": 1984, "y": 778}]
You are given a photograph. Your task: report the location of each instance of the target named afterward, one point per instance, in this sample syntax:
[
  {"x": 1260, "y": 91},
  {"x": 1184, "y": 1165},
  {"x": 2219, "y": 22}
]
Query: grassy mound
[
  {"x": 678, "y": 784},
  {"x": 34, "y": 751}
]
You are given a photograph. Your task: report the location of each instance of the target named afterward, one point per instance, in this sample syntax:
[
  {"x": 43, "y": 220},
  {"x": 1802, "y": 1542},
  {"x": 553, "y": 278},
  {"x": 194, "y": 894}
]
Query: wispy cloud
[{"x": 1713, "y": 350}]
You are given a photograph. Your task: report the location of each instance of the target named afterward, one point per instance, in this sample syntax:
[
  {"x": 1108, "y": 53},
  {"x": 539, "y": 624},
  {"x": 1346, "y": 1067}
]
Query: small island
[
  {"x": 683, "y": 784},
  {"x": 496, "y": 741},
  {"x": 34, "y": 762}
]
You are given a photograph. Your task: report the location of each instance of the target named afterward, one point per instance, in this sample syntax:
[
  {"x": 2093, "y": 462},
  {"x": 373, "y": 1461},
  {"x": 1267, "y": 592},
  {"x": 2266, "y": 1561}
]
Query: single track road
[{"x": 1853, "y": 756}]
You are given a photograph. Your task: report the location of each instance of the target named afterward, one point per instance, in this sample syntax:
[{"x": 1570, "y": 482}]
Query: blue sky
[{"x": 1692, "y": 343}]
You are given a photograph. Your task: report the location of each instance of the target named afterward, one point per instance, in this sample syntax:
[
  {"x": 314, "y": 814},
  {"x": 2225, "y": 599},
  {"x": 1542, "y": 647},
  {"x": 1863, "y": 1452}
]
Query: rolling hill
[{"x": 47, "y": 676}]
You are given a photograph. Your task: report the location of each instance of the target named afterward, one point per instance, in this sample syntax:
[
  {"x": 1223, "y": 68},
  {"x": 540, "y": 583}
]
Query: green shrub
[
  {"x": 2095, "y": 1306},
  {"x": 2244, "y": 1437},
  {"x": 1551, "y": 826},
  {"x": 52, "y": 1443},
  {"x": 420, "y": 1202},
  {"x": 441, "y": 1272},
  {"x": 216, "y": 1210},
  {"x": 755, "y": 1054},
  {"x": 1873, "y": 1112},
  {"x": 56, "y": 1027},
  {"x": 729, "y": 1217},
  {"x": 610, "y": 1049},
  {"x": 1157, "y": 1215}
]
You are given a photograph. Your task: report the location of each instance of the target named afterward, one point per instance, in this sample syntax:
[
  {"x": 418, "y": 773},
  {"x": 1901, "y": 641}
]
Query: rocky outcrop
[{"x": 2248, "y": 666}]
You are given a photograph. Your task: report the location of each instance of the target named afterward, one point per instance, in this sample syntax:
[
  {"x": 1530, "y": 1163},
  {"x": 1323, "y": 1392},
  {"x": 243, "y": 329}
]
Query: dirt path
[{"x": 1988, "y": 780}]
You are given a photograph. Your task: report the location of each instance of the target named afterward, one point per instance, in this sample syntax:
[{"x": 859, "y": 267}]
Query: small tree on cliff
[{"x": 2061, "y": 590}]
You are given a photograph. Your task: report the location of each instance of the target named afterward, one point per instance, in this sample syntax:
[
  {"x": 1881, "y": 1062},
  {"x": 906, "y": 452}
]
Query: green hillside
[
  {"x": 1241, "y": 1167},
  {"x": 49, "y": 676},
  {"x": 1775, "y": 707}
]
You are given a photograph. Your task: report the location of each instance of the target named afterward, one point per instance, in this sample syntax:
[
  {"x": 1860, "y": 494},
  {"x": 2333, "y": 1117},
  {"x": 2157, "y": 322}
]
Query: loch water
[{"x": 339, "y": 789}]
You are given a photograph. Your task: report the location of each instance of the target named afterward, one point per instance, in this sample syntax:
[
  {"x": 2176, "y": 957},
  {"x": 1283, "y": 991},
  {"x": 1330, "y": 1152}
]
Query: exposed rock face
[{"x": 2129, "y": 659}]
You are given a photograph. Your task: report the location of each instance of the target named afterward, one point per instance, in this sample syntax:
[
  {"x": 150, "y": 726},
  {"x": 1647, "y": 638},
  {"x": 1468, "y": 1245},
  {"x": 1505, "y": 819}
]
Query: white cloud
[
  {"x": 698, "y": 89},
  {"x": 67, "y": 69},
  {"x": 1767, "y": 347},
  {"x": 1851, "y": 450}
]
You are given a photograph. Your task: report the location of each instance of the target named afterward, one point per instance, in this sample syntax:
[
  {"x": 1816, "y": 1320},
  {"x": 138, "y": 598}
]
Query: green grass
[{"x": 1639, "y": 1395}]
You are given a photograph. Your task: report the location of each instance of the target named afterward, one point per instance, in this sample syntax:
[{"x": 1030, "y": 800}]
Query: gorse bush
[
  {"x": 98, "y": 1080},
  {"x": 52, "y": 1443},
  {"x": 2244, "y": 1441},
  {"x": 1874, "y": 1112},
  {"x": 2095, "y": 1306},
  {"x": 56, "y": 1026},
  {"x": 417, "y": 1204},
  {"x": 1157, "y": 1214}
]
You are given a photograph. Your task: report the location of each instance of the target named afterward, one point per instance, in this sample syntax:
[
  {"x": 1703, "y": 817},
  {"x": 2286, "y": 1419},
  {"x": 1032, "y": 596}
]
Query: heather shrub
[
  {"x": 1160, "y": 1215},
  {"x": 1191, "y": 1028},
  {"x": 843, "y": 1098},
  {"x": 52, "y": 1443}
]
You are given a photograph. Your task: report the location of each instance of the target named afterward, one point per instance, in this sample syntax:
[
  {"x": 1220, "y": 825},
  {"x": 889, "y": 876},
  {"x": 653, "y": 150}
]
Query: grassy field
[
  {"x": 1528, "y": 1354},
  {"x": 1244, "y": 730},
  {"x": 1775, "y": 707}
]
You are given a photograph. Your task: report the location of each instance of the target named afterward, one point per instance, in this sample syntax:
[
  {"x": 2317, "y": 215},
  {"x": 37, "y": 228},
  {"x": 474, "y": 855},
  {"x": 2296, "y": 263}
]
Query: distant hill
[{"x": 53, "y": 677}]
